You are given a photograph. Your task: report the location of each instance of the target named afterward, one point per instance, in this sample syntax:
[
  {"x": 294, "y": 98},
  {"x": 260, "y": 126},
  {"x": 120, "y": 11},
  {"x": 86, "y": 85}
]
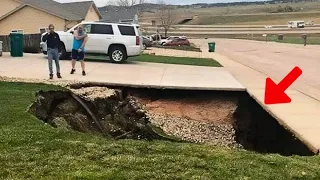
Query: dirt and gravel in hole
[
  {"x": 205, "y": 119},
  {"x": 136, "y": 114}
]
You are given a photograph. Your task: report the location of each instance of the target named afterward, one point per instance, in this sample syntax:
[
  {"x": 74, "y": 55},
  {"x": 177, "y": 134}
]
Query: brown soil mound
[{"x": 198, "y": 109}]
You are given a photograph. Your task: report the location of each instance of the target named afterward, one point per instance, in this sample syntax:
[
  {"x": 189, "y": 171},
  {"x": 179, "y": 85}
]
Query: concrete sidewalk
[
  {"x": 151, "y": 75},
  {"x": 301, "y": 116}
]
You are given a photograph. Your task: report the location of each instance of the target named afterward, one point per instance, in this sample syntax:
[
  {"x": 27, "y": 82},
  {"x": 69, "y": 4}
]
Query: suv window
[
  {"x": 101, "y": 29},
  {"x": 87, "y": 28},
  {"x": 127, "y": 30}
]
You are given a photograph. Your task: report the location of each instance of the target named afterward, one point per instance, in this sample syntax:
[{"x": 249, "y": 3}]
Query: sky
[{"x": 181, "y": 2}]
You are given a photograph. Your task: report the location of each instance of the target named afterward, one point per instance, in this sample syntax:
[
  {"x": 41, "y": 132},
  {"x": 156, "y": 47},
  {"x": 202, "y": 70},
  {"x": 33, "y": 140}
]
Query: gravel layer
[
  {"x": 196, "y": 131},
  {"x": 92, "y": 93}
]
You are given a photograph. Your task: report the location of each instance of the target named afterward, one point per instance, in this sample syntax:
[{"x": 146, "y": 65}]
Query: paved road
[
  {"x": 236, "y": 29},
  {"x": 275, "y": 60},
  {"x": 190, "y": 33},
  {"x": 131, "y": 74},
  {"x": 229, "y": 30}
]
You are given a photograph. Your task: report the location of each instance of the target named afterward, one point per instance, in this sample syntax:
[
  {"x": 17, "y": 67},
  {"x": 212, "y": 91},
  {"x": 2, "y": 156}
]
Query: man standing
[
  {"x": 78, "y": 51},
  {"x": 53, "y": 41}
]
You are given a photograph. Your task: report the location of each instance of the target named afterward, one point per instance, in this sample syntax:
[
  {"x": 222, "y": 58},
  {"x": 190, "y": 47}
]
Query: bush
[{"x": 287, "y": 8}]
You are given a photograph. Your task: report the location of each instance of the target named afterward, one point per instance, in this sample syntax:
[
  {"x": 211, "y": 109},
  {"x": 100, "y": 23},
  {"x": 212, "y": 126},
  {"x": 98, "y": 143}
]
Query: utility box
[
  {"x": 1, "y": 48},
  {"x": 304, "y": 37},
  {"x": 212, "y": 46},
  {"x": 16, "y": 43},
  {"x": 280, "y": 37}
]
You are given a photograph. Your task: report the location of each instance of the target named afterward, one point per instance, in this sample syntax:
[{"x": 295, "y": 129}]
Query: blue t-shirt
[{"x": 77, "y": 43}]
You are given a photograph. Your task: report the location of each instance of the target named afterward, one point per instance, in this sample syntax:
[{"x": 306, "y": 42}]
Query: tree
[
  {"x": 128, "y": 3},
  {"x": 166, "y": 16}
]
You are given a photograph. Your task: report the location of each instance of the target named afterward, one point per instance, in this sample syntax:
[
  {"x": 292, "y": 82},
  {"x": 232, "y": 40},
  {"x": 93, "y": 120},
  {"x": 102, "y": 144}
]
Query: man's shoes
[
  {"x": 72, "y": 71},
  {"x": 83, "y": 73},
  {"x": 50, "y": 76},
  {"x": 59, "y": 75}
]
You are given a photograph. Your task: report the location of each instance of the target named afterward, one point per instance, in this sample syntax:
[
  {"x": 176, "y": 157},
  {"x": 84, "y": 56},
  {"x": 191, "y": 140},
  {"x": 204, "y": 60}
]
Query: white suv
[{"x": 118, "y": 41}]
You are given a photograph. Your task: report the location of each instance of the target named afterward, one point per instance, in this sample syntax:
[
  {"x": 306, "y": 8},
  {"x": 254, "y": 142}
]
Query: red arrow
[{"x": 275, "y": 94}]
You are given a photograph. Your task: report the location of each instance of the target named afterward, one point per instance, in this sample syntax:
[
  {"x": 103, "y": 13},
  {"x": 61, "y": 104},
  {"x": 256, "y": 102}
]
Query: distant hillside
[
  {"x": 151, "y": 6},
  {"x": 142, "y": 7}
]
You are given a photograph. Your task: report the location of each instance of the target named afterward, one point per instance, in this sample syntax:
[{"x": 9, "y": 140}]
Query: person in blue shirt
[{"x": 78, "y": 50}]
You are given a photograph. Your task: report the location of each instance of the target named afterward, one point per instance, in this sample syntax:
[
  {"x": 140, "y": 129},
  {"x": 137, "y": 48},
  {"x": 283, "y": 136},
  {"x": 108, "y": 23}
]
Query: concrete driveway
[
  {"x": 130, "y": 74},
  {"x": 275, "y": 60}
]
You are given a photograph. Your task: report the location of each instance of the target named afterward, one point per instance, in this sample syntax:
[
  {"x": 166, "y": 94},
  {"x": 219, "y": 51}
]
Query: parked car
[
  {"x": 146, "y": 42},
  {"x": 179, "y": 42},
  {"x": 309, "y": 23},
  {"x": 170, "y": 38},
  {"x": 296, "y": 24},
  {"x": 118, "y": 41}
]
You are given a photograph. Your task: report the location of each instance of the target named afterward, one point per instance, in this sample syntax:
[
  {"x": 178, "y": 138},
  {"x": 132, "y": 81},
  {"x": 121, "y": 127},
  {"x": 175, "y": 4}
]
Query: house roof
[
  {"x": 116, "y": 14},
  {"x": 53, "y": 7},
  {"x": 81, "y": 8},
  {"x": 69, "y": 11}
]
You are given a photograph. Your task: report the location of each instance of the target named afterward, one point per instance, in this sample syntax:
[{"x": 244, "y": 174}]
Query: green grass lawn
[
  {"x": 163, "y": 59},
  {"x": 29, "y": 149}
]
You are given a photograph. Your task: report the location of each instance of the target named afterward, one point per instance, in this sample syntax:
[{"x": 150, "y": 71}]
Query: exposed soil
[
  {"x": 203, "y": 110},
  {"x": 206, "y": 117},
  {"x": 105, "y": 115}
]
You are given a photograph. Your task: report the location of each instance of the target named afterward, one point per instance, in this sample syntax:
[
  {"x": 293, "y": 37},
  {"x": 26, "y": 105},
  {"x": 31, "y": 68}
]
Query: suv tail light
[{"x": 137, "y": 40}]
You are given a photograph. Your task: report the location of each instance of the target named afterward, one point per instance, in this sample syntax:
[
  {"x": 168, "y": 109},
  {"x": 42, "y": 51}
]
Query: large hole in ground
[{"x": 229, "y": 119}]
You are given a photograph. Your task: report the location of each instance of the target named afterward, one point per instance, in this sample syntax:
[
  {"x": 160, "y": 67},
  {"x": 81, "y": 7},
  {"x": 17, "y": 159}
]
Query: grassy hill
[
  {"x": 256, "y": 19},
  {"x": 254, "y": 14}
]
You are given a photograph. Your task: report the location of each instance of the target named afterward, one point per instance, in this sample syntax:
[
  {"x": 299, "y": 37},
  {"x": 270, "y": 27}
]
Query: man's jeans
[{"x": 53, "y": 54}]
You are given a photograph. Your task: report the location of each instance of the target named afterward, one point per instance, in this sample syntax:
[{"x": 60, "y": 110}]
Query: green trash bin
[
  {"x": 16, "y": 43},
  {"x": 212, "y": 46}
]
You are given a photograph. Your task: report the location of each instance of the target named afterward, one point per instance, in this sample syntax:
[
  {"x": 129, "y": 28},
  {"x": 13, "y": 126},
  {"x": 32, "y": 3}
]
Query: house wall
[
  {"x": 92, "y": 15},
  {"x": 7, "y": 6},
  {"x": 70, "y": 24},
  {"x": 30, "y": 20}
]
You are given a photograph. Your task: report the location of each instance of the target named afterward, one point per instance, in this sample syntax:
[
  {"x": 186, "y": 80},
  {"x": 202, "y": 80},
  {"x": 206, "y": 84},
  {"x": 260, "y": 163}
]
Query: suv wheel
[{"x": 118, "y": 55}]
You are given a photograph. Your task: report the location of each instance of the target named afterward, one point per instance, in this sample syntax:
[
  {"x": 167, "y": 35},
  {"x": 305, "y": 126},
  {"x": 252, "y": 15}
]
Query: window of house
[
  {"x": 43, "y": 30},
  {"x": 101, "y": 29},
  {"x": 17, "y": 31},
  {"x": 127, "y": 30}
]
